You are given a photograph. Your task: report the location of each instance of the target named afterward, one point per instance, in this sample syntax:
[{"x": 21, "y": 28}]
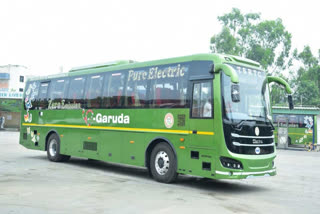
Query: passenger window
[
  {"x": 94, "y": 91},
  {"x": 202, "y": 100},
  {"x": 76, "y": 91},
  {"x": 136, "y": 92},
  {"x": 113, "y": 96},
  {"x": 58, "y": 90},
  {"x": 169, "y": 91},
  {"x": 43, "y": 98},
  {"x": 31, "y": 94}
]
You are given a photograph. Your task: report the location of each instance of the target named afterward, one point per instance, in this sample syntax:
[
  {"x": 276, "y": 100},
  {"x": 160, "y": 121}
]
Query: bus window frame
[
  {"x": 88, "y": 76},
  {"x": 108, "y": 75},
  {"x": 65, "y": 91},
  {"x": 151, "y": 90},
  {"x": 69, "y": 86},
  {"x": 37, "y": 107},
  {"x": 147, "y": 104}
]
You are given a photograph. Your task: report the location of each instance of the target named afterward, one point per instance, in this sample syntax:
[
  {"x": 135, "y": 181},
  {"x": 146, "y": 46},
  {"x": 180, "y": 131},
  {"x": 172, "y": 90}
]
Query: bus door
[{"x": 201, "y": 125}]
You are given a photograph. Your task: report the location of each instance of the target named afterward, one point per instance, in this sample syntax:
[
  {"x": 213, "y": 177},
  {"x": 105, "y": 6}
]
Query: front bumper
[{"x": 244, "y": 175}]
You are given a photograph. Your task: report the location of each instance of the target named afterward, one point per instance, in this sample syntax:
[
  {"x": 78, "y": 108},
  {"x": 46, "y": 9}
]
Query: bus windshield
[{"x": 254, "y": 96}]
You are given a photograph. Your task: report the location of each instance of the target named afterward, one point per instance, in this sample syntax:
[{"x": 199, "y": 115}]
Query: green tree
[
  {"x": 307, "y": 78},
  {"x": 264, "y": 41},
  {"x": 246, "y": 35}
]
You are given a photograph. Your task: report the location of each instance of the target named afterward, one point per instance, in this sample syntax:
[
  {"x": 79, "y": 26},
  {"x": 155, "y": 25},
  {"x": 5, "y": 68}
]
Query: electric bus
[{"x": 206, "y": 115}]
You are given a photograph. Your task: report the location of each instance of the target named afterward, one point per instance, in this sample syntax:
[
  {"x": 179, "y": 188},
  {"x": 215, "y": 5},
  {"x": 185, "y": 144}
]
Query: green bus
[
  {"x": 206, "y": 115},
  {"x": 301, "y": 123}
]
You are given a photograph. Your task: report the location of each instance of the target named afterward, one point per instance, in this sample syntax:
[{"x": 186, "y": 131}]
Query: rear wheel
[
  {"x": 53, "y": 149},
  {"x": 163, "y": 163}
]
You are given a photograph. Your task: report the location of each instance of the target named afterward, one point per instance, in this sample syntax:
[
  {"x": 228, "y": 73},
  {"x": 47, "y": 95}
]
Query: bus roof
[{"x": 130, "y": 64}]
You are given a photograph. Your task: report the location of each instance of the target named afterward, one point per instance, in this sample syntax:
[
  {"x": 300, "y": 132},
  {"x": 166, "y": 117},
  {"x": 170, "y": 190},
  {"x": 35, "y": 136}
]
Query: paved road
[{"x": 29, "y": 183}]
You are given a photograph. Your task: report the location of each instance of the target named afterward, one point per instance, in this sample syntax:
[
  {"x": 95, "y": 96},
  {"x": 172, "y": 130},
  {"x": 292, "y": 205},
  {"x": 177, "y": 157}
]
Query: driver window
[{"x": 202, "y": 100}]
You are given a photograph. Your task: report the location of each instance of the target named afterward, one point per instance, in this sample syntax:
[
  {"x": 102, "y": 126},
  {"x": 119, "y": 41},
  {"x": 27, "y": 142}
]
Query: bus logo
[
  {"x": 89, "y": 117},
  {"x": 257, "y": 150},
  {"x": 256, "y": 141},
  {"x": 257, "y": 131},
  {"x": 168, "y": 120}
]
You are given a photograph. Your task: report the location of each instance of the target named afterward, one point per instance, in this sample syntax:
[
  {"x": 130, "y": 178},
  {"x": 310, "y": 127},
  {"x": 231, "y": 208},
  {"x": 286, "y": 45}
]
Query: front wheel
[
  {"x": 53, "y": 149},
  {"x": 163, "y": 163}
]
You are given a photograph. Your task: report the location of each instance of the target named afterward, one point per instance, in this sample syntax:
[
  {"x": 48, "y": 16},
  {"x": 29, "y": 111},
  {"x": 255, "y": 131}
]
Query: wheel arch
[
  {"x": 152, "y": 144},
  {"x": 49, "y": 133}
]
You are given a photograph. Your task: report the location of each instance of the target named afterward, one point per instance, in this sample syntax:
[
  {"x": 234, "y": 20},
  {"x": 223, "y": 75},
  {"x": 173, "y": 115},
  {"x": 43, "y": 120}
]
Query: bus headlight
[{"x": 230, "y": 163}]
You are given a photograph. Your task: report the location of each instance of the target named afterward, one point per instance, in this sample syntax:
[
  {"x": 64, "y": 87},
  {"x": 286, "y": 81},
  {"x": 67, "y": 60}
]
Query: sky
[{"x": 47, "y": 35}]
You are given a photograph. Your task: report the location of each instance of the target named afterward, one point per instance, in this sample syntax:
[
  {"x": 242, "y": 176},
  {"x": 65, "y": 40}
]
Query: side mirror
[
  {"x": 290, "y": 101},
  {"x": 235, "y": 93},
  {"x": 211, "y": 71}
]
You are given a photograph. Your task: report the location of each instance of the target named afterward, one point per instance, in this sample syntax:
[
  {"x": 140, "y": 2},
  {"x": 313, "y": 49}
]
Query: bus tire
[
  {"x": 53, "y": 149},
  {"x": 163, "y": 163}
]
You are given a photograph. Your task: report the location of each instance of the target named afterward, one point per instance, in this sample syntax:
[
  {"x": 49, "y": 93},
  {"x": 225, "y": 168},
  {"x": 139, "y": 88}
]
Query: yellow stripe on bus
[
  {"x": 118, "y": 128},
  {"x": 205, "y": 133}
]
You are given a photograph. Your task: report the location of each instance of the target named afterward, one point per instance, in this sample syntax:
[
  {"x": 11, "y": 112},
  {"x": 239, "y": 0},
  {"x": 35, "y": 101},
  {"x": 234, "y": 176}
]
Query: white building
[
  {"x": 12, "y": 79},
  {"x": 12, "y": 83}
]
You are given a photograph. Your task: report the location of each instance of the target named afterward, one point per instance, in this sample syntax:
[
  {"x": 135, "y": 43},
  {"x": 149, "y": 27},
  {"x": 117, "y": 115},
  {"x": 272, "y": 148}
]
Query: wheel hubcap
[
  {"x": 53, "y": 147},
  {"x": 162, "y": 162}
]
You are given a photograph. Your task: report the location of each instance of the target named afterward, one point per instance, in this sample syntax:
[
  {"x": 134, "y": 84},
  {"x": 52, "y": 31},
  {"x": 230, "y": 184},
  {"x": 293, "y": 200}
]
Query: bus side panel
[
  {"x": 32, "y": 137},
  {"x": 133, "y": 147},
  {"x": 110, "y": 144},
  {"x": 300, "y": 135}
]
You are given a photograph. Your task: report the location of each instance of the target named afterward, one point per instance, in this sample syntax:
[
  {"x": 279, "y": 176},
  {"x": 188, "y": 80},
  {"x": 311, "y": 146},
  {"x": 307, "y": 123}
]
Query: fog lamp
[{"x": 230, "y": 163}]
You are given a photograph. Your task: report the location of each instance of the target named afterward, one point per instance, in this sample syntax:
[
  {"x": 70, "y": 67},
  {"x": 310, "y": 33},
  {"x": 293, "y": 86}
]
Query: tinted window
[
  {"x": 113, "y": 93},
  {"x": 58, "y": 89},
  {"x": 158, "y": 86},
  {"x": 201, "y": 70},
  {"x": 76, "y": 90},
  {"x": 32, "y": 90},
  {"x": 94, "y": 91},
  {"x": 293, "y": 121},
  {"x": 169, "y": 86},
  {"x": 136, "y": 91},
  {"x": 42, "y": 97},
  {"x": 202, "y": 100}
]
